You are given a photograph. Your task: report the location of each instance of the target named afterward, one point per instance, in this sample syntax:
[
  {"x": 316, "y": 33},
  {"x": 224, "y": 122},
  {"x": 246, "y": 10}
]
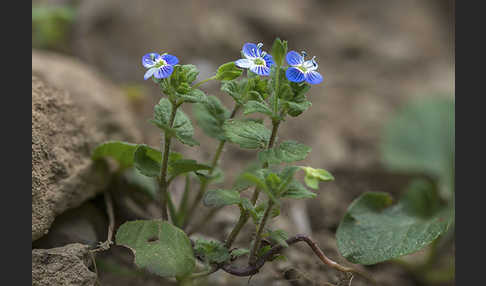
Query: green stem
[
  {"x": 275, "y": 100},
  {"x": 244, "y": 215},
  {"x": 258, "y": 237},
  {"x": 204, "y": 81},
  {"x": 205, "y": 183},
  {"x": 183, "y": 204},
  {"x": 163, "y": 193}
]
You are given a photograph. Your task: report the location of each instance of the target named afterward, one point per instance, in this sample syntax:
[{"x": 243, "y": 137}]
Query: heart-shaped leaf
[
  {"x": 159, "y": 247},
  {"x": 248, "y": 134},
  {"x": 122, "y": 152},
  {"x": 147, "y": 160},
  {"x": 373, "y": 230},
  {"x": 219, "y": 198},
  {"x": 287, "y": 152}
]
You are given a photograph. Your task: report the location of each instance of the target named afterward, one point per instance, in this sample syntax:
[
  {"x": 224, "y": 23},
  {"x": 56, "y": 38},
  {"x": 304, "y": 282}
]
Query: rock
[
  {"x": 86, "y": 224},
  {"x": 67, "y": 265},
  {"x": 73, "y": 110}
]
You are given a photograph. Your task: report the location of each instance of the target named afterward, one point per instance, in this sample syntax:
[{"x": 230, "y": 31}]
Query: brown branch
[
  {"x": 102, "y": 246},
  {"x": 254, "y": 269}
]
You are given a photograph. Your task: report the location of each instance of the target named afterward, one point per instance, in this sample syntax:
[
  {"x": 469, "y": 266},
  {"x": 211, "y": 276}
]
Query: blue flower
[
  {"x": 256, "y": 60},
  {"x": 301, "y": 70},
  {"x": 160, "y": 66}
]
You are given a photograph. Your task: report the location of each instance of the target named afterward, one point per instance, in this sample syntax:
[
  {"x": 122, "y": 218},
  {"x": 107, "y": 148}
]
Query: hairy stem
[
  {"x": 239, "y": 225},
  {"x": 205, "y": 183},
  {"x": 244, "y": 215},
  {"x": 203, "y": 81},
  {"x": 258, "y": 236},
  {"x": 163, "y": 193},
  {"x": 275, "y": 101}
]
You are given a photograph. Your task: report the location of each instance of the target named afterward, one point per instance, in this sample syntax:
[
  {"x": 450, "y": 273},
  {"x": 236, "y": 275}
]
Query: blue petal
[
  {"x": 250, "y": 50},
  {"x": 244, "y": 63},
  {"x": 294, "y": 58},
  {"x": 164, "y": 71},
  {"x": 149, "y": 73},
  {"x": 294, "y": 74},
  {"x": 149, "y": 59},
  {"x": 269, "y": 60},
  {"x": 313, "y": 77},
  {"x": 260, "y": 70},
  {"x": 170, "y": 59}
]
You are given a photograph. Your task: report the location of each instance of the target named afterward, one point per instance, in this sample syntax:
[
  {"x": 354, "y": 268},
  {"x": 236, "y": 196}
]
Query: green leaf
[
  {"x": 228, "y": 71},
  {"x": 159, "y": 247},
  {"x": 241, "y": 183},
  {"x": 219, "y": 198},
  {"x": 147, "y": 160},
  {"x": 253, "y": 106},
  {"x": 183, "y": 74},
  {"x": 420, "y": 139},
  {"x": 261, "y": 184},
  {"x": 122, "y": 152},
  {"x": 210, "y": 116},
  {"x": 217, "y": 176},
  {"x": 235, "y": 89},
  {"x": 279, "y": 51},
  {"x": 313, "y": 176},
  {"x": 296, "y": 190},
  {"x": 211, "y": 251},
  {"x": 181, "y": 166},
  {"x": 193, "y": 96},
  {"x": 182, "y": 128},
  {"x": 293, "y": 98},
  {"x": 258, "y": 88},
  {"x": 239, "y": 252},
  {"x": 286, "y": 152},
  {"x": 247, "y": 134},
  {"x": 279, "y": 236},
  {"x": 373, "y": 230}
]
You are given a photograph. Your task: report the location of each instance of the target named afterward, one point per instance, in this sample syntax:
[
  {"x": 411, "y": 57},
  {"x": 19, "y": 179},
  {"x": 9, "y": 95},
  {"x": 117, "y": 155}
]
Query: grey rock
[
  {"x": 67, "y": 265},
  {"x": 73, "y": 110}
]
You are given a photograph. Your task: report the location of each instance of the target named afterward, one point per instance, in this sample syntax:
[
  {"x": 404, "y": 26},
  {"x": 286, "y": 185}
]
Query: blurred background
[{"x": 383, "y": 116}]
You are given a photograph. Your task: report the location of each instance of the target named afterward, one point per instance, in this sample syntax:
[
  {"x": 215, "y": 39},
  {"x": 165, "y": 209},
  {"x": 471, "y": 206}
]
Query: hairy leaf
[
  {"x": 182, "y": 166},
  {"x": 296, "y": 190},
  {"x": 159, "y": 247},
  {"x": 122, "y": 152},
  {"x": 286, "y": 152},
  {"x": 147, "y": 160},
  {"x": 253, "y": 106},
  {"x": 228, "y": 71},
  {"x": 279, "y": 236},
  {"x": 219, "y": 198},
  {"x": 373, "y": 230},
  {"x": 210, "y": 116},
  {"x": 279, "y": 50},
  {"x": 235, "y": 89},
  {"x": 211, "y": 251},
  {"x": 182, "y": 128},
  {"x": 247, "y": 134},
  {"x": 313, "y": 176},
  {"x": 193, "y": 96}
]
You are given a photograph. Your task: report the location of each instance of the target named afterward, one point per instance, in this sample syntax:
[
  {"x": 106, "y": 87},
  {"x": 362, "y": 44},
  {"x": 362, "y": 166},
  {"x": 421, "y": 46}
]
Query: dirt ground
[{"x": 375, "y": 57}]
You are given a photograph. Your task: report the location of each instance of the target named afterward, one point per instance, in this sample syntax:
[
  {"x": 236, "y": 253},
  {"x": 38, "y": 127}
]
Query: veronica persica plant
[{"x": 272, "y": 90}]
